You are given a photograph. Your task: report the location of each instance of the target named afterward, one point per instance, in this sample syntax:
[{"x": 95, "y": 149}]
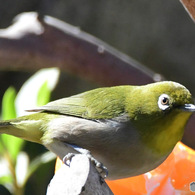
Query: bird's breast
[{"x": 116, "y": 144}]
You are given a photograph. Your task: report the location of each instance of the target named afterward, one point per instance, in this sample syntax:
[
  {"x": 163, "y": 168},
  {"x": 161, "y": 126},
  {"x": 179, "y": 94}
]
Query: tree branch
[
  {"x": 189, "y": 6},
  {"x": 80, "y": 178},
  {"x": 35, "y": 42}
]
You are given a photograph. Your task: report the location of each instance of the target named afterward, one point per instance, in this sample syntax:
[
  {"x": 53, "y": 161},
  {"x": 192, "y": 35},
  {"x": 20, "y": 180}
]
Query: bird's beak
[{"x": 188, "y": 107}]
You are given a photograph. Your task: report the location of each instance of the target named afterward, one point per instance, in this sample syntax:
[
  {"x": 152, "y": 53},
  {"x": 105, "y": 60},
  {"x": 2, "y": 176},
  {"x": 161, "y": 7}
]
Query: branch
[
  {"x": 35, "y": 42},
  {"x": 80, "y": 178},
  {"x": 189, "y": 6}
]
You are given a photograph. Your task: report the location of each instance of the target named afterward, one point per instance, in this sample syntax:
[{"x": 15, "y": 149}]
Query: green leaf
[
  {"x": 10, "y": 143},
  {"x": 44, "y": 94},
  {"x": 7, "y": 182},
  {"x": 8, "y": 104},
  {"x": 27, "y": 96},
  {"x": 36, "y": 90},
  {"x": 6, "y": 179}
]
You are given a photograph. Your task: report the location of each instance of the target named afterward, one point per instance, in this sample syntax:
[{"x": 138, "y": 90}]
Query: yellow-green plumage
[{"x": 130, "y": 129}]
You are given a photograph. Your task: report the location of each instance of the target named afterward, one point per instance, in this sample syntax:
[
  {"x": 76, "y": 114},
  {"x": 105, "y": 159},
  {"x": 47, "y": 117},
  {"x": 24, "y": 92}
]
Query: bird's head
[
  {"x": 160, "y": 112},
  {"x": 159, "y": 99}
]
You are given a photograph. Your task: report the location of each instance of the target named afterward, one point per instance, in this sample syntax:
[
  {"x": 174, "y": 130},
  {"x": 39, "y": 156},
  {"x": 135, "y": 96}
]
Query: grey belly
[{"x": 117, "y": 145}]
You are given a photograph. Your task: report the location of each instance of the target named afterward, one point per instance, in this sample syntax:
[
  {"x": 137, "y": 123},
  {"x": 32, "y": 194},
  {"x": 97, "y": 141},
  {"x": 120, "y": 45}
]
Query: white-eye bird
[{"x": 130, "y": 129}]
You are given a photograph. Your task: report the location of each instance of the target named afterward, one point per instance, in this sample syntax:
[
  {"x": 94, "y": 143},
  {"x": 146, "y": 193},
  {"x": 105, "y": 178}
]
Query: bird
[{"x": 129, "y": 129}]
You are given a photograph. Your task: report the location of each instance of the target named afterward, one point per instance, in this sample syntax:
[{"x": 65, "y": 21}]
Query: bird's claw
[
  {"x": 67, "y": 159},
  {"x": 102, "y": 169}
]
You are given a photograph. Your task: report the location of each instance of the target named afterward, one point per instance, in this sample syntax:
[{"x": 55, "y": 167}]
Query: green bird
[{"x": 129, "y": 129}]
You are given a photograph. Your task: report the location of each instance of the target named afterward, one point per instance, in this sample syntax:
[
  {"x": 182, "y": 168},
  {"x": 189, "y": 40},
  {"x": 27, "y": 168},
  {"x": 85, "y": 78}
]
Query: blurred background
[{"x": 159, "y": 34}]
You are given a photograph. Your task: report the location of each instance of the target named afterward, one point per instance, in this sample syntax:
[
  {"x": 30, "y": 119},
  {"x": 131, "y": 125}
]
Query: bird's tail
[
  {"x": 22, "y": 128},
  {"x": 6, "y": 127}
]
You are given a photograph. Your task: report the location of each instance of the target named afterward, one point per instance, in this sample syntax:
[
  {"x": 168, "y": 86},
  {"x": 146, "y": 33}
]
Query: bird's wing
[
  {"x": 65, "y": 106},
  {"x": 95, "y": 104}
]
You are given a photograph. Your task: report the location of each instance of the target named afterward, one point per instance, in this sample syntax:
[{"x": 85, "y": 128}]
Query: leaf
[
  {"x": 27, "y": 96},
  {"x": 6, "y": 179},
  {"x": 36, "y": 90},
  {"x": 4, "y": 167},
  {"x": 10, "y": 143},
  {"x": 43, "y": 95},
  {"x": 21, "y": 168},
  {"x": 8, "y": 104},
  {"x": 7, "y": 182},
  {"x": 5, "y": 174}
]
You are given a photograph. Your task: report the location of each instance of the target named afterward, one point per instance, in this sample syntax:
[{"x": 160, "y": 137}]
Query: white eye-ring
[{"x": 163, "y": 102}]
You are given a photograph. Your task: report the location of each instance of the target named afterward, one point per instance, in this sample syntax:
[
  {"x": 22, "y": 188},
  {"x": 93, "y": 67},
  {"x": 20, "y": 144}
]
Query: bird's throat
[{"x": 164, "y": 135}]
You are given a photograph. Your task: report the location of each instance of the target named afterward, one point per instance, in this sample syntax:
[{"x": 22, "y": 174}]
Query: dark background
[{"x": 157, "y": 33}]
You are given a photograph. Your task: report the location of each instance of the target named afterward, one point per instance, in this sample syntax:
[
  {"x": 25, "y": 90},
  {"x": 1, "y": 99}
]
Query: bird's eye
[{"x": 163, "y": 102}]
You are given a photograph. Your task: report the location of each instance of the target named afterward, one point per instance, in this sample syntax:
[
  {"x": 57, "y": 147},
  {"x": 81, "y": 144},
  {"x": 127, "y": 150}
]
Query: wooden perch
[
  {"x": 34, "y": 42},
  {"x": 80, "y": 178}
]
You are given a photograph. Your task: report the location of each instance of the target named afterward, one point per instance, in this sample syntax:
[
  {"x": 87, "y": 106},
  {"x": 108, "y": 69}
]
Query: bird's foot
[
  {"x": 67, "y": 159},
  {"x": 101, "y": 168}
]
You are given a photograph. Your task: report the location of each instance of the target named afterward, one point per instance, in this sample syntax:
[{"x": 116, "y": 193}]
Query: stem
[{"x": 17, "y": 190}]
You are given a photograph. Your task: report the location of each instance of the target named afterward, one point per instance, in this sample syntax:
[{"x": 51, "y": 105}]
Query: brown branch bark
[{"x": 189, "y": 6}]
